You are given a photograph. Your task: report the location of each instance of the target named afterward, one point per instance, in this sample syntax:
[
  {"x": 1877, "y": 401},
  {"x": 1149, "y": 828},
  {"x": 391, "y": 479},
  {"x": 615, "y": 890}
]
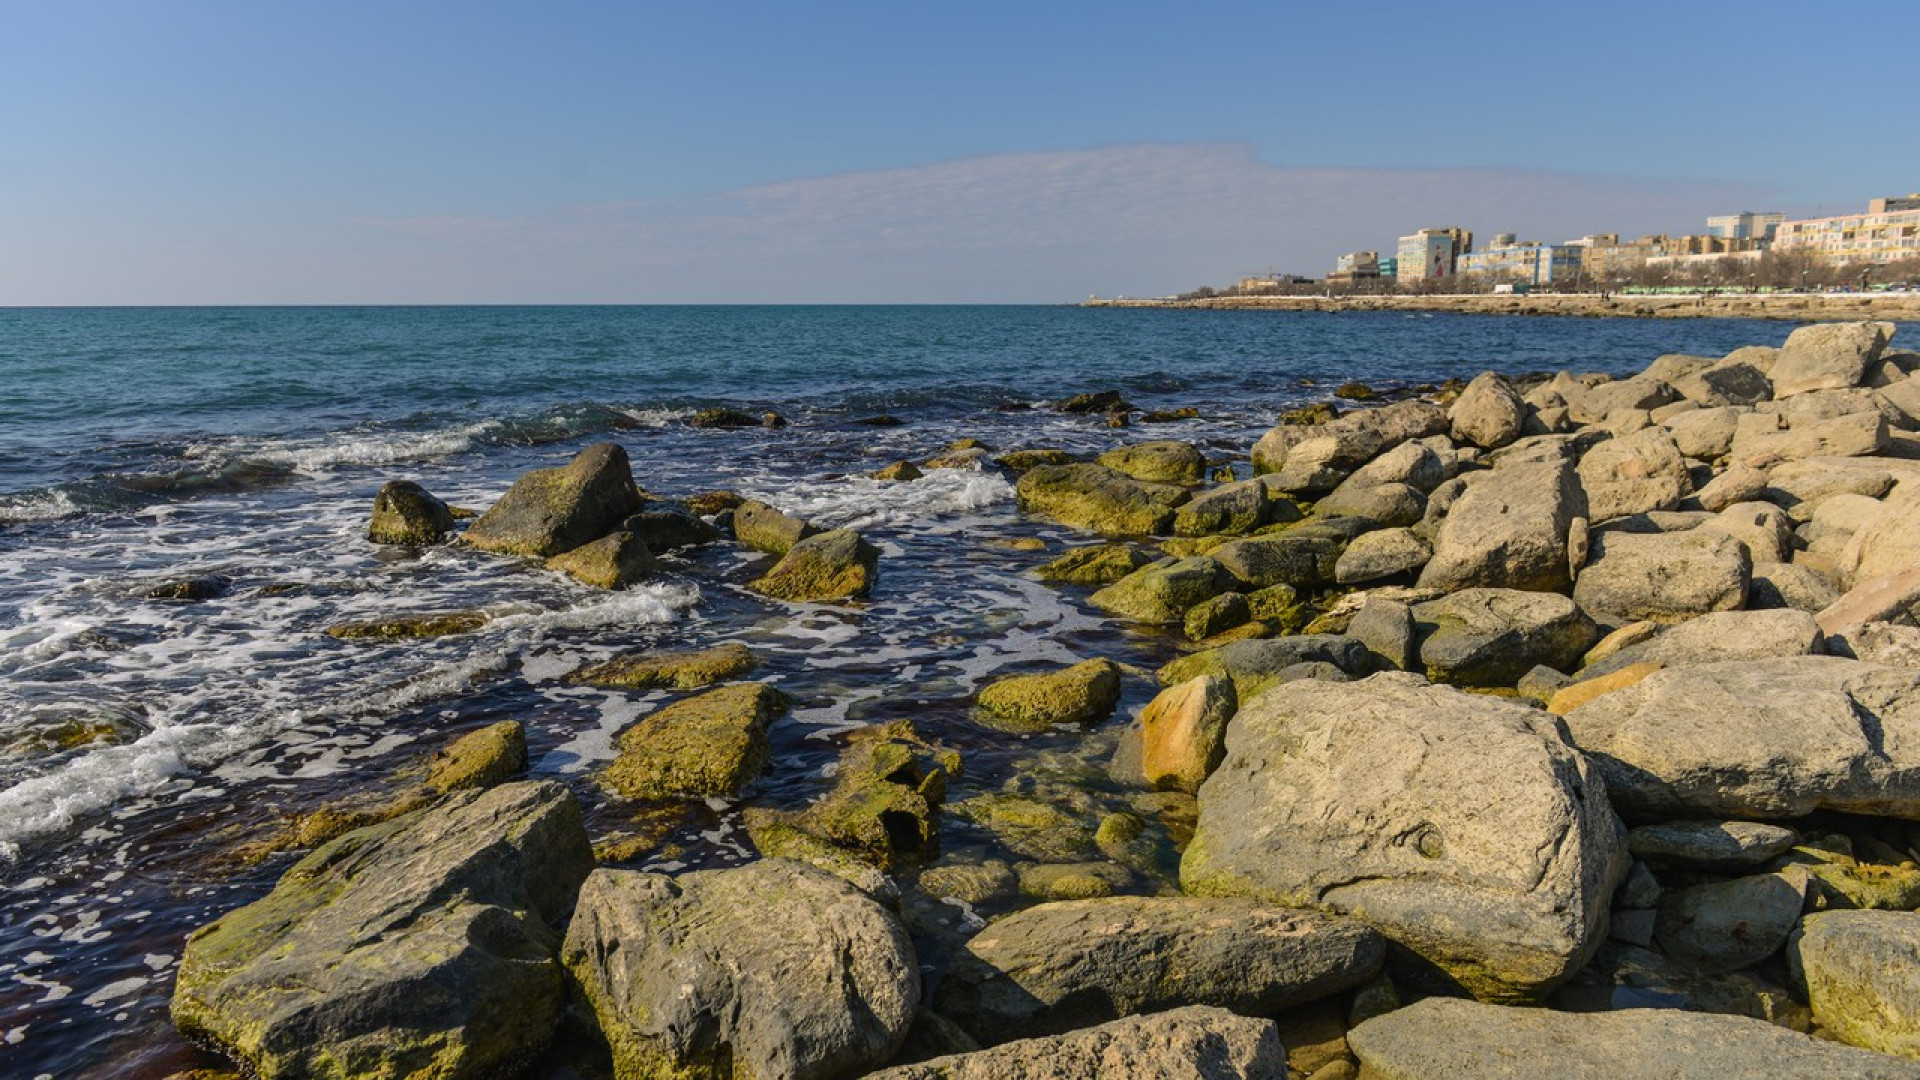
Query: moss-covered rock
[
  {"x": 723, "y": 419},
  {"x": 1072, "y": 881},
  {"x": 897, "y": 472},
  {"x": 1221, "y": 613},
  {"x": 1161, "y": 594},
  {"x": 764, "y": 528},
  {"x": 406, "y": 513},
  {"x": 708, "y": 746},
  {"x": 670, "y": 669},
  {"x": 438, "y": 624},
  {"x": 190, "y": 589},
  {"x": 548, "y": 511},
  {"x": 1102, "y": 564},
  {"x": 1081, "y": 694},
  {"x": 614, "y": 561},
  {"x": 1280, "y": 605},
  {"x": 1020, "y": 461},
  {"x": 710, "y": 503},
  {"x": 1030, "y": 828},
  {"x": 480, "y": 759},
  {"x": 1162, "y": 462},
  {"x": 1100, "y": 499},
  {"x": 1141, "y": 845},
  {"x": 1096, "y": 401},
  {"x": 837, "y": 565},
  {"x": 974, "y": 883},
  {"x": 884, "y": 806},
  {"x": 669, "y": 526},
  {"x": 1230, "y": 509}
]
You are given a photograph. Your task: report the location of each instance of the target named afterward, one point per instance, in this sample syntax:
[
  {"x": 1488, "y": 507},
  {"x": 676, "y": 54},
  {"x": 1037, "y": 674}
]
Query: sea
[{"x": 147, "y": 744}]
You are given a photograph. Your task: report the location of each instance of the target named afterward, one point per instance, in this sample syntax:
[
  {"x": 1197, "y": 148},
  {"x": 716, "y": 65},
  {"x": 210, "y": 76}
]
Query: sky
[{"x": 202, "y": 152}]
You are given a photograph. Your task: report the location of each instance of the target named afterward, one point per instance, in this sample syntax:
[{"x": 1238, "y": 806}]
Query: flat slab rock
[
  {"x": 1195, "y": 1043},
  {"x": 1444, "y": 1039}
]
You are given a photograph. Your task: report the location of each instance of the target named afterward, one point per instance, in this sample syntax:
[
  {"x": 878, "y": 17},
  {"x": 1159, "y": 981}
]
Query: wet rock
[
  {"x": 973, "y": 458},
  {"x": 970, "y": 883},
  {"x": 1020, "y": 461},
  {"x": 1182, "y": 729},
  {"x": 669, "y": 526},
  {"x": 480, "y": 759},
  {"x": 1196, "y": 1043},
  {"x": 1162, "y": 593},
  {"x": 1082, "y": 694},
  {"x": 1491, "y": 637},
  {"x": 1484, "y": 1042},
  {"x": 670, "y": 669},
  {"x": 1829, "y": 356},
  {"x": 438, "y": 624},
  {"x": 1231, "y": 509},
  {"x": 1381, "y": 554},
  {"x": 764, "y": 528},
  {"x": 711, "y": 745},
  {"x": 1509, "y": 529},
  {"x": 1710, "y": 845},
  {"x": 1098, "y": 401},
  {"x": 1356, "y": 391},
  {"x": 1222, "y": 613},
  {"x": 1861, "y": 978},
  {"x": 885, "y": 802},
  {"x": 769, "y": 969},
  {"x": 614, "y": 561},
  {"x": 1772, "y": 738},
  {"x": 1488, "y": 413},
  {"x": 425, "y": 943},
  {"x": 884, "y": 420},
  {"x": 1664, "y": 577},
  {"x": 1727, "y": 925},
  {"x": 1103, "y": 564},
  {"x": 710, "y": 503},
  {"x": 1162, "y": 462},
  {"x": 190, "y": 590},
  {"x": 726, "y": 419},
  {"x": 548, "y": 511},
  {"x": 899, "y": 471},
  {"x": 1064, "y": 966},
  {"x": 1143, "y": 846},
  {"x": 406, "y": 513},
  {"x": 1462, "y": 827},
  {"x": 1029, "y": 827},
  {"x": 836, "y": 565},
  {"x": 1100, "y": 499},
  {"x": 1072, "y": 881}
]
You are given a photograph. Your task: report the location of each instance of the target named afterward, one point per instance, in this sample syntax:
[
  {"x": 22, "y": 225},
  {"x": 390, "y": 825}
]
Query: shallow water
[{"x": 142, "y": 446}]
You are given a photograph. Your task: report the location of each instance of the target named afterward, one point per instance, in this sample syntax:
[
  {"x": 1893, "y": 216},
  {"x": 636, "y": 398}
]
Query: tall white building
[{"x": 1745, "y": 225}]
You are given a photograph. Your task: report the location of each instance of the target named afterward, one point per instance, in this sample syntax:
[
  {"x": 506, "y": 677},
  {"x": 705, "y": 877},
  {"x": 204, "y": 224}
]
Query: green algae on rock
[
  {"x": 1100, "y": 499},
  {"x": 407, "y": 514},
  {"x": 614, "y": 561},
  {"x": 1102, "y": 564},
  {"x": 670, "y": 669},
  {"x": 711, "y": 745},
  {"x": 480, "y": 759},
  {"x": 836, "y": 565},
  {"x": 1083, "y": 693},
  {"x": 884, "y": 806},
  {"x": 411, "y": 626},
  {"x": 548, "y": 511}
]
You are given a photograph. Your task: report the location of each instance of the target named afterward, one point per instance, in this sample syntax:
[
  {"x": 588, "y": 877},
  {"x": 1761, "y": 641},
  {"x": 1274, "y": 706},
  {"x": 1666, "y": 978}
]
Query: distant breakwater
[{"x": 1792, "y": 306}]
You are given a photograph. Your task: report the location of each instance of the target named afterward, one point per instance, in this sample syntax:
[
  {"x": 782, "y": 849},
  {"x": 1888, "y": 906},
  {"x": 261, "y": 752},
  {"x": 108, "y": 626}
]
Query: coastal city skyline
[{"x": 214, "y": 152}]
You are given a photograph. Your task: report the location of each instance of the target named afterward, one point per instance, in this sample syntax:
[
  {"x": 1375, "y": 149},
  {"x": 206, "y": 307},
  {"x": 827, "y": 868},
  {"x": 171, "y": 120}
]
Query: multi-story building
[
  {"x": 1531, "y": 263},
  {"x": 1355, "y": 266},
  {"x": 1883, "y": 234},
  {"x": 1745, "y": 225},
  {"x": 1431, "y": 254}
]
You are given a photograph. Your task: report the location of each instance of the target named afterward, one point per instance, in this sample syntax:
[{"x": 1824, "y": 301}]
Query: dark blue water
[{"x": 140, "y": 446}]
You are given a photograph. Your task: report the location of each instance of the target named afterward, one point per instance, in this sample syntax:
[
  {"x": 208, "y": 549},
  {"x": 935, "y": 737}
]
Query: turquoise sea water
[{"x": 140, "y": 446}]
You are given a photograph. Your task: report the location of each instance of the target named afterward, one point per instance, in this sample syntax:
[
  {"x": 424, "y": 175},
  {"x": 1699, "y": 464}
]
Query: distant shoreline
[{"x": 1792, "y": 306}]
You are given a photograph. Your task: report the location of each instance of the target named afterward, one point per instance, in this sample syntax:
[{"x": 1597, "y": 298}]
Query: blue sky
[{"x": 263, "y": 152}]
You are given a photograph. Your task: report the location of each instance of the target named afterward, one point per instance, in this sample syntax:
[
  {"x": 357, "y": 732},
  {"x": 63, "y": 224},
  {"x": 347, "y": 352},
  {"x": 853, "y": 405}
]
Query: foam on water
[
  {"x": 858, "y": 502},
  {"x": 49, "y": 505}
]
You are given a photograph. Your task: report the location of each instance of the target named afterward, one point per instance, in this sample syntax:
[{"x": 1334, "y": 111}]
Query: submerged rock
[
  {"x": 439, "y": 624},
  {"x": 406, "y": 513},
  {"x": 885, "y": 802},
  {"x": 711, "y": 745},
  {"x": 425, "y": 945},
  {"x": 675, "y": 669},
  {"x": 772, "y": 969},
  {"x": 1083, "y": 693},
  {"x": 548, "y": 511}
]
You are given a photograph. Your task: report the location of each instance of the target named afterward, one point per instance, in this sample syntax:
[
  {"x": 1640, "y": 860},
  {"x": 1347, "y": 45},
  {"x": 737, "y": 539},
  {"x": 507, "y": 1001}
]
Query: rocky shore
[
  {"x": 1734, "y": 305},
  {"x": 1561, "y": 728}
]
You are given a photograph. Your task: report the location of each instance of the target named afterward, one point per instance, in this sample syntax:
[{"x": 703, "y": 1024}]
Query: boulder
[
  {"x": 669, "y": 526},
  {"x": 1230, "y": 509},
  {"x": 1488, "y": 413},
  {"x": 1889, "y": 598},
  {"x": 1775, "y": 738},
  {"x": 711, "y": 745},
  {"x": 1082, "y": 694},
  {"x": 1728, "y": 925},
  {"x": 770, "y": 969},
  {"x": 1509, "y": 529},
  {"x": 1879, "y": 643},
  {"x": 1633, "y": 474},
  {"x": 836, "y": 565},
  {"x": 1047, "y": 882},
  {"x": 1441, "y": 1039},
  {"x": 480, "y": 759},
  {"x": 670, "y": 669},
  {"x": 1828, "y": 356},
  {"x": 1102, "y": 564},
  {"x": 1888, "y": 544},
  {"x": 548, "y": 511},
  {"x": 1422, "y": 464},
  {"x": 1099, "y": 499},
  {"x": 1664, "y": 577},
  {"x": 883, "y": 809},
  {"x": 1218, "y": 615},
  {"x": 1161, "y": 593},
  {"x": 1195, "y": 1043},
  {"x": 1710, "y": 845},
  {"x": 1019, "y": 461},
  {"x": 1331, "y": 451},
  {"x": 1463, "y": 827},
  {"x": 1182, "y": 729},
  {"x": 1732, "y": 381},
  {"x": 1064, "y": 966},
  {"x": 1386, "y": 628},
  {"x": 434, "y": 624},
  {"x": 406, "y": 513},
  {"x": 1162, "y": 462},
  {"x": 1800, "y": 486},
  {"x": 1722, "y": 635},
  {"x": 423, "y": 944},
  {"x": 1030, "y": 828},
  {"x": 1383, "y": 553},
  {"x": 1386, "y": 505},
  {"x": 1861, "y": 977},
  {"x": 1790, "y": 585},
  {"x": 1703, "y": 434},
  {"x": 1637, "y": 394},
  {"x": 1254, "y": 665},
  {"x": 764, "y": 528},
  {"x": 1854, "y": 435},
  {"x": 1763, "y": 527},
  {"x": 1491, "y": 637},
  {"x": 1093, "y": 401},
  {"x": 614, "y": 561},
  {"x": 1303, "y": 556}
]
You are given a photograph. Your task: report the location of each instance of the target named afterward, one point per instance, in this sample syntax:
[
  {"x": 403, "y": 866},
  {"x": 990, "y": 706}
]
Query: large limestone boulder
[
  {"x": 772, "y": 969},
  {"x": 1442, "y": 1039},
  {"x": 1853, "y": 435},
  {"x": 1463, "y": 827},
  {"x": 1100, "y": 499},
  {"x": 1488, "y": 413},
  {"x": 1633, "y": 474},
  {"x": 1703, "y": 434},
  {"x": 763, "y": 528},
  {"x": 1422, "y": 464},
  {"x": 1163, "y": 462},
  {"x": 1383, "y": 553},
  {"x": 829, "y": 566},
  {"x": 1888, "y": 598},
  {"x": 548, "y": 511},
  {"x": 1182, "y": 730},
  {"x": 1637, "y": 394},
  {"x": 1887, "y": 544},
  {"x": 1509, "y": 529},
  {"x": 1385, "y": 505},
  {"x": 1735, "y": 380},
  {"x": 1664, "y": 577},
  {"x": 1491, "y": 637},
  {"x": 1763, "y": 527},
  {"x": 710, "y": 745},
  {"x": 1862, "y": 978},
  {"x": 1082, "y": 694},
  {"x": 1728, "y": 925},
  {"x": 407, "y": 514},
  {"x": 1776, "y": 738},
  {"x": 1710, "y": 845},
  {"x": 1257, "y": 664},
  {"x": 1829, "y": 356},
  {"x": 1230, "y": 509},
  {"x": 1722, "y": 635},
  {"x": 422, "y": 946},
  {"x": 1304, "y": 556},
  {"x": 1161, "y": 593},
  {"x": 1194, "y": 1043},
  {"x": 1100, "y": 564},
  {"x": 1063, "y": 966},
  {"x": 1326, "y": 454},
  {"x": 614, "y": 561}
]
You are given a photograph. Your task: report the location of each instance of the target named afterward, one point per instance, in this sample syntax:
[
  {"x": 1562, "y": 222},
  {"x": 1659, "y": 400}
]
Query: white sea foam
[
  {"x": 37, "y": 506},
  {"x": 857, "y": 502},
  {"x": 316, "y": 456}
]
